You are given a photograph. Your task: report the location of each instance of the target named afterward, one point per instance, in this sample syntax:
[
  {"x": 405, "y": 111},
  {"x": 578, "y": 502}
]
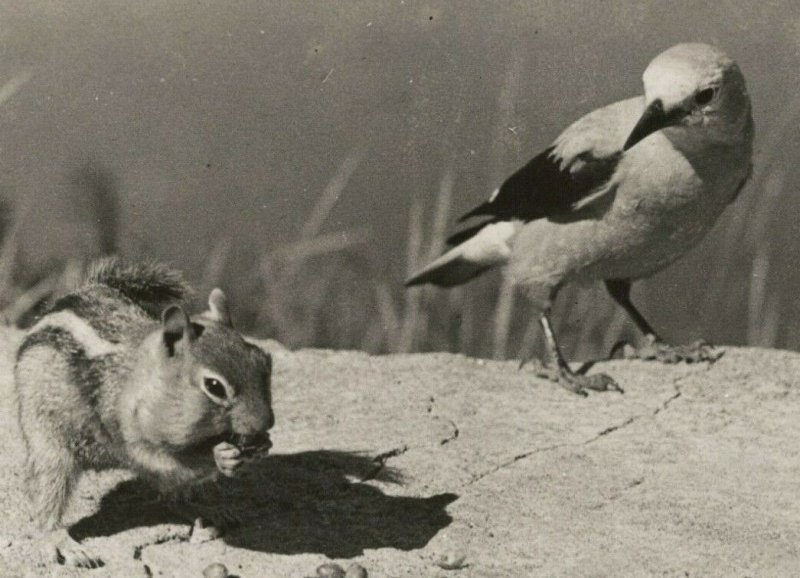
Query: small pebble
[
  {"x": 330, "y": 571},
  {"x": 452, "y": 560},
  {"x": 355, "y": 570},
  {"x": 215, "y": 570}
]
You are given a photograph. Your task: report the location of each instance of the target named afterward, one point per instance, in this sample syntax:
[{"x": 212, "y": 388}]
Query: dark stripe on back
[
  {"x": 105, "y": 309},
  {"x": 54, "y": 337}
]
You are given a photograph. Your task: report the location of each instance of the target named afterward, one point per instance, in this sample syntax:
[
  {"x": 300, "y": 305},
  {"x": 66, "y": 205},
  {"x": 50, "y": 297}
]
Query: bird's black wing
[
  {"x": 468, "y": 233},
  {"x": 545, "y": 187}
]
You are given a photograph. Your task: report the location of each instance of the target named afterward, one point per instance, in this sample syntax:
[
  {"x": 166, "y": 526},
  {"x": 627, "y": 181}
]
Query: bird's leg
[
  {"x": 558, "y": 370},
  {"x": 655, "y": 348}
]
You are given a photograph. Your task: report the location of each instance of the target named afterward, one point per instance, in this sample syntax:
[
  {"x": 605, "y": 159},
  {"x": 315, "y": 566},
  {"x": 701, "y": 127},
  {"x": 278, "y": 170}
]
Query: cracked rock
[{"x": 393, "y": 460}]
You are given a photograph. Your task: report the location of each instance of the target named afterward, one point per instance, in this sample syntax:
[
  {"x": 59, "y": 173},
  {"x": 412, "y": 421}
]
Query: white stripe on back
[{"x": 85, "y": 334}]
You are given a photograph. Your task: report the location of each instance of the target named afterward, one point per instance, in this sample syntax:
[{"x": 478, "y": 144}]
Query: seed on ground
[
  {"x": 215, "y": 570},
  {"x": 330, "y": 571},
  {"x": 355, "y": 570},
  {"x": 451, "y": 560}
]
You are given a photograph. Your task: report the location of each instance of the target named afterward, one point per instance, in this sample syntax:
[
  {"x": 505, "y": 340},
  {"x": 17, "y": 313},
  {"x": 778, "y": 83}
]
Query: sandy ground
[{"x": 395, "y": 461}]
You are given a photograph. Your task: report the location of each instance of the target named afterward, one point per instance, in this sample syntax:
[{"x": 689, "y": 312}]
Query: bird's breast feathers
[{"x": 656, "y": 177}]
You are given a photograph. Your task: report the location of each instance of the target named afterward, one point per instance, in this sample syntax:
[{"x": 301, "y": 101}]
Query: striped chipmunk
[{"x": 116, "y": 374}]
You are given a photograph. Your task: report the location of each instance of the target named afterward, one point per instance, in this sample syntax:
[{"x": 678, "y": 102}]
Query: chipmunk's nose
[
  {"x": 250, "y": 444},
  {"x": 251, "y": 416},
  {"x": 246, "y": 441}
]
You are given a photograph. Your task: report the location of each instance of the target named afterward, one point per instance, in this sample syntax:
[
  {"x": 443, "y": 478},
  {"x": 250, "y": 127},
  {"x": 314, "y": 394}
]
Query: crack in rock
[
  {"x": 454, "y": 431},
  {"x": 382, "y": 458},
  {"x": 609, "y": 430},
  {"x": 616, "y": 495},
  {"x": 453, "y": 434},
  {"x": 519, "y": 457},
  {"x": 171, "y": 537}
]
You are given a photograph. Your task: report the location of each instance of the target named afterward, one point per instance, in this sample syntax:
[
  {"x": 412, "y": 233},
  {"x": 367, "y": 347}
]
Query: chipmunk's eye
[
  {"x": 215, "y": 389},
  {"x": 705, "y": 96}
]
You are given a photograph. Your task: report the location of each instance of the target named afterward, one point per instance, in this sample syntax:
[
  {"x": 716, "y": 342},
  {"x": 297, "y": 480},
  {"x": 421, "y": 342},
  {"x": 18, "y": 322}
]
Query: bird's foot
[
  {"x": 578, "y": 383},
  {"x": 657, "y": 350}
]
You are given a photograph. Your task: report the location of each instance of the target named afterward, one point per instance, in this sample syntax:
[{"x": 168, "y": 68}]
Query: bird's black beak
[{"x": 653, "y": 118}]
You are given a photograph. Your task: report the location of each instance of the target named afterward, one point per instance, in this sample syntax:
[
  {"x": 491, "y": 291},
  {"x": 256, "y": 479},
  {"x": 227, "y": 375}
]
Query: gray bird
[{"x": 619, "y": 195}]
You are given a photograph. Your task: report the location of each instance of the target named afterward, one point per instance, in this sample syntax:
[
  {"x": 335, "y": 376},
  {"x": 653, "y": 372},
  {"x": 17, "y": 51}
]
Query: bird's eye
[
  {"x": 214, "y": 388},
  {"x": 704, "y": 96}
]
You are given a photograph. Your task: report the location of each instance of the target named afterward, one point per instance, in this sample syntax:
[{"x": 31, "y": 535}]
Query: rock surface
[{"x": 401, "y": 462}]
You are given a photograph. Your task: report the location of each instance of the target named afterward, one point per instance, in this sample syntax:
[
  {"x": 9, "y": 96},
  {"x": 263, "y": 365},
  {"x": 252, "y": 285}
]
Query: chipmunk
[{"x": 102, "y": 382}]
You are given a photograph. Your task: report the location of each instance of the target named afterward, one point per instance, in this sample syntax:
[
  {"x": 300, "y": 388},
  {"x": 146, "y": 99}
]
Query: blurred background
[{"x": 305, "y": 156}]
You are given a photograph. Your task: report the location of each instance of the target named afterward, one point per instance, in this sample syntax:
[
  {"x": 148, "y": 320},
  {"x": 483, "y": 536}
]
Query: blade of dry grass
[
  {"x": 11, "y": 87},
  {"x": 29, "y": 298},
  {"x": 387, "y": 313},
  {"x": 527, "y": 343},
  {"x": 98, "y": 187},
  {"x": 740, "y": 232},
  {"x": 414, "y": 327},
  {"x": 330, "y": 195},
  {"x": 216, "y": 262},
  {"x": 504, "y": 140},
  {"x": 503, "y": 313},
  {"x": 279, "y": 269},
  {"x": 441, "y": 214},
  {"x": 307, "y": 248},
  {"x": 462, "y": 302},
  {"x": 758, "y": 333},
  {"x": 11, "y": 245},
  {"x": 73, "y": 274},
  {"x": 413, "y": 298}
]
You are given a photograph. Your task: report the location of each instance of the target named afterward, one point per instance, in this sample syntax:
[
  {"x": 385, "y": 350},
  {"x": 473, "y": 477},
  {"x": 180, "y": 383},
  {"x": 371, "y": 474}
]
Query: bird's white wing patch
[
  {"x": 599, "y": 193},
  {"x": 491, "y": 245}
]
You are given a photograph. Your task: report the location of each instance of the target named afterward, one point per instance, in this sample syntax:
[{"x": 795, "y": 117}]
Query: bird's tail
[
  {"x": 487, "y": 248},
  {"x": 447, "y": 271}
]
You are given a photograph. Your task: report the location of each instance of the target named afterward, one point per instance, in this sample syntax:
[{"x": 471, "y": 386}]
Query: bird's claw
[
  {"x": 656, "y": 350},
  {"x": 599, "y": 382},
  {"x": 620, "y": 345},
  {"x": 577, "y": 383}
]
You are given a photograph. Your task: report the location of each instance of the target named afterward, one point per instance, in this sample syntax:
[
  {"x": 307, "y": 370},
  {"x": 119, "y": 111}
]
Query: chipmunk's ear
[
  {"x": 218, "y": 309},
  {"x": 176, "y": 326}
]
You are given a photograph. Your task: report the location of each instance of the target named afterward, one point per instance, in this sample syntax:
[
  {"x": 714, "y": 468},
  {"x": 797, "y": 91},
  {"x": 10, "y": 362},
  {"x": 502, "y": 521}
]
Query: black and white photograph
[{"x": 399, "y": 288}]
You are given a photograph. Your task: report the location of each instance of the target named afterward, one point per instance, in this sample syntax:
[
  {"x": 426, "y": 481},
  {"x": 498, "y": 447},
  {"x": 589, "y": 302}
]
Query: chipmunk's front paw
[
  {"x": 228, "y": 458},
  {"x": 62, "y": 548}
]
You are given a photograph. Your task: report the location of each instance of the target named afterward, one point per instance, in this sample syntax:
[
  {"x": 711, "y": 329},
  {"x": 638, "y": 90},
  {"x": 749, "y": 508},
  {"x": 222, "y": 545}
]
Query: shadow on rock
[{"x": 311, "y": 502}]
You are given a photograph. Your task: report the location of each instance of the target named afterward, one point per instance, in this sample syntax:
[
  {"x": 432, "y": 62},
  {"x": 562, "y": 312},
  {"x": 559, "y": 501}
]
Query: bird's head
[{"x": 696, "y": 88}]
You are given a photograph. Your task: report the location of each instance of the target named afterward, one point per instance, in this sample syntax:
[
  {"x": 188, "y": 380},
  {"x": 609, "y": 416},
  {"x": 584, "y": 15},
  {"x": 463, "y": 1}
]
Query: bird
[{"x": 619, "y": 195}]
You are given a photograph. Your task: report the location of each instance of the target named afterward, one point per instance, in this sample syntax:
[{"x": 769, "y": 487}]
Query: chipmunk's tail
[{"x": 146, "y": 283}]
